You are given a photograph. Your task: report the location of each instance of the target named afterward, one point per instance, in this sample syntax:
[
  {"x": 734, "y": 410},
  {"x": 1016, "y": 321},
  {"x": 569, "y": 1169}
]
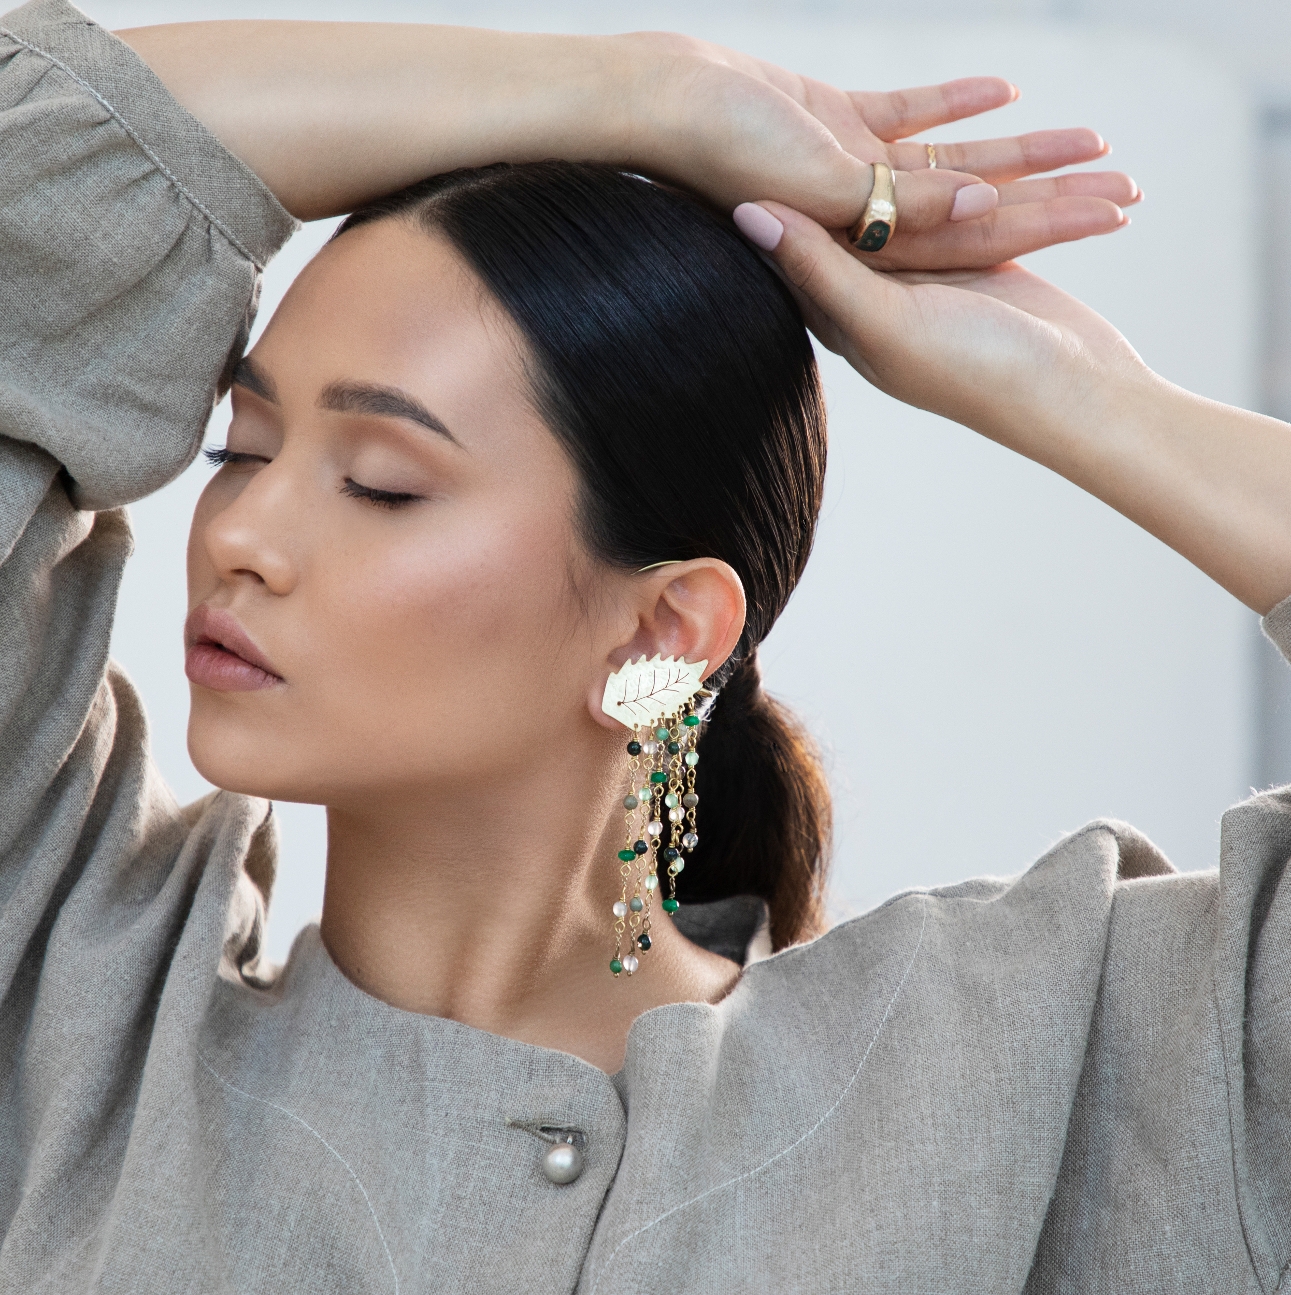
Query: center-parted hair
[{"x": 673, "y": 366}]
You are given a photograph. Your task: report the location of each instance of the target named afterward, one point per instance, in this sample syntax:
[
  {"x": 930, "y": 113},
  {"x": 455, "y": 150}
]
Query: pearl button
[{"x": 562, "y": 1163}]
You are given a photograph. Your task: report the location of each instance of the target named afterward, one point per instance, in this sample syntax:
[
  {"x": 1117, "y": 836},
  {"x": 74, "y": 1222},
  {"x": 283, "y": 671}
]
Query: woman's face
[{"x": 393, "y": 536}]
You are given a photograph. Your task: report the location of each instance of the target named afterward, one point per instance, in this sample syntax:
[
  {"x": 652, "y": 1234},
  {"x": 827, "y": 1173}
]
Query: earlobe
[{"x": 691, "y": 610}]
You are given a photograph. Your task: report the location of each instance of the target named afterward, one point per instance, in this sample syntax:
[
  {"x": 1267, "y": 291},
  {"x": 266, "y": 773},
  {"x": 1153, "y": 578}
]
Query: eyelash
[
  {"x": 218, "y": 456},
  {"x": 381, "y": 498}
]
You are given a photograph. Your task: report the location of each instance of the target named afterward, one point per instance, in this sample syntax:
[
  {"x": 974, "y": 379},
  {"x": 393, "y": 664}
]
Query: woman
[{"x": 424, "y": 554}]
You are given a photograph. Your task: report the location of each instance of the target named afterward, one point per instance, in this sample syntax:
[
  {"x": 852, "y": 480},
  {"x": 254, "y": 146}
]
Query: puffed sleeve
[{"x": 131, "y": 244}]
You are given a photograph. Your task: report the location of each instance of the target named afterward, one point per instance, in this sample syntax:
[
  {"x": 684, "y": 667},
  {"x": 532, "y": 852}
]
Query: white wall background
[{"x": 989, "y": 657}]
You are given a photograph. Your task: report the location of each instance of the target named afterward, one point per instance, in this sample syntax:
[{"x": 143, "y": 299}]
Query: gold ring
[
  {"x": 932, "y": 156},
  {"x": 879, "y": 219}
]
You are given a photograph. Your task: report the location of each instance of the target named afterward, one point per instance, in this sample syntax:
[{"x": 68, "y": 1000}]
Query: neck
[{"x": 491, "y": 905}]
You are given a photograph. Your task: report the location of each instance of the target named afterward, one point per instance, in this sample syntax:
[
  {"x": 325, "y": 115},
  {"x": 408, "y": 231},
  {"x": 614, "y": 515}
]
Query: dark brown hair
[{"x": 673, "y": 366}]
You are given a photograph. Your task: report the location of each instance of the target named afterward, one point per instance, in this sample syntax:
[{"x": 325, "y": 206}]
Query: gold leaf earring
[{"x": 655, "y": 699}]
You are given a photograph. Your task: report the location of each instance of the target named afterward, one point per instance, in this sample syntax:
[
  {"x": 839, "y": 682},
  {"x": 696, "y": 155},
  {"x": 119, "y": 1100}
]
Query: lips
[{"x": 220, "y": 654}]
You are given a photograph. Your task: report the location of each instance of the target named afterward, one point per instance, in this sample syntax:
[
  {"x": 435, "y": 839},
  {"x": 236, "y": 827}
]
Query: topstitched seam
[
  {"x": 129, "y": 130},
  {"x": 348, "y": 1169},
  {"x": 784, "y": 1151}
]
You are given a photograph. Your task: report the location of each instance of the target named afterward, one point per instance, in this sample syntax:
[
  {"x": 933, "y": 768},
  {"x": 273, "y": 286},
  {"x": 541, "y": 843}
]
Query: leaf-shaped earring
[
  {"x": 640, "y": 692},
  {"x": 654, "y": 698}
]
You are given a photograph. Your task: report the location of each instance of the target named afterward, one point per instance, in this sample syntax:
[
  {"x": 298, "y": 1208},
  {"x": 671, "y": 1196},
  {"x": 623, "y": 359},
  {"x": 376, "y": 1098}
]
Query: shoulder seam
[{"x": 134, "y": 135}]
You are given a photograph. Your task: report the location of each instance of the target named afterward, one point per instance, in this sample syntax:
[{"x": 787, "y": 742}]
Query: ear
[{"x": 689, "y": 609}]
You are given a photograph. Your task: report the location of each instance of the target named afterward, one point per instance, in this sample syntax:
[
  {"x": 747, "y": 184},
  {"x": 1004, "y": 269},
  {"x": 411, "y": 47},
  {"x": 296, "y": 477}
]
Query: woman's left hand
[{"x": 1013, "y": 357}]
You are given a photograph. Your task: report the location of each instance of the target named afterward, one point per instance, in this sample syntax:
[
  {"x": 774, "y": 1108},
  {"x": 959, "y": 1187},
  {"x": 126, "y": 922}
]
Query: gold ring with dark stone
[{"x": 879, "y": 219}]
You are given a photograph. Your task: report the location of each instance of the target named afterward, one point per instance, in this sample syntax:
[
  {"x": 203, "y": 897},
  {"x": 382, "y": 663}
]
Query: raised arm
[
  {"x": 332, "y": 114},
  {"x": 1012, "y": 357}
]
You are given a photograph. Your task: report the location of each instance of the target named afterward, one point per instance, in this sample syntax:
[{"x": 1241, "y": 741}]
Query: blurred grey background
[{"x": 988, "y": 657}]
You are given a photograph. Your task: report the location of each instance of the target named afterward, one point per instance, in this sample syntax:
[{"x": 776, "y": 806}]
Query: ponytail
[{"x": 765, "y": 817}]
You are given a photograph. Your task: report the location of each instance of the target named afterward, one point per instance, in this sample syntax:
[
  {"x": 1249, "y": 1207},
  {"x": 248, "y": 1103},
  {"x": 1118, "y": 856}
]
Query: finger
[
  {"x": 1115, "y": 186},
  {"x": 837, "y": 290},
  {"x": 928, "y": 200},
  {"x": 1005, "y": 233},
  {"x": 898, "y": 113},
  {"x": 997, "y": 160}
]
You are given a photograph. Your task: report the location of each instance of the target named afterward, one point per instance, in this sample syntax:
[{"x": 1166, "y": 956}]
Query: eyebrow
[
  {"x": 348, "y": 398},
  {"x": 387, "y": 402},
  {"x": 250, "y": 375}
]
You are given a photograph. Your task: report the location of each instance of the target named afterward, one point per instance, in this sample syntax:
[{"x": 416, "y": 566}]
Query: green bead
[
  {"x": 670, "y": 800},
  {"x": 639, "y": 847},
  {"x": 692, "y": 758},
  {"x": 691, "y": 721},
  {"x": 657, "y": 778},
  {"x": 615, "y": 966},
  {"x": 627, "y": 855},
  {"x": 661, "y": 734},
  {"x": 634, "y": 747},
  {"x": 643, "y": 941},
  {"x": 669, "y": 906},
  {"x": 674, "y": 748},
  {"x": 670, "y": 854}
]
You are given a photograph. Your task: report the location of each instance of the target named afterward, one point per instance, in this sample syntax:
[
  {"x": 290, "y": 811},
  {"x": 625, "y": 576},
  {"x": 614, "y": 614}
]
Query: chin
[{"x": 244, "y": 759}]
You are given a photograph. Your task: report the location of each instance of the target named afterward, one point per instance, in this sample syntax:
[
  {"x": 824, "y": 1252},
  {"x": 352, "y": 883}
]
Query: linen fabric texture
[{"x": 1076, "y": 1079}]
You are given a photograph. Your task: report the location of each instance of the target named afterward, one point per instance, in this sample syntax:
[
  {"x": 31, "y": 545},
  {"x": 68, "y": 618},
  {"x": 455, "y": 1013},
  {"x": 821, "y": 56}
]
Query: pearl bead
[
  {"x": 630, "y": 964},
  {"x": 690, "y": 840},
  {"x": 676, "y": 815},
  {"x": 654, "y": 827},
  {"x": 692, "y": 758},
  {"x": 620, "y": 908},
  {"x": 563, "y": 1163},
  {"x": 650, "y": 748}
]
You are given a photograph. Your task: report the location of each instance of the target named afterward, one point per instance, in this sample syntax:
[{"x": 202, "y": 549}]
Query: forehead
[{"x": 389, "y": 304}]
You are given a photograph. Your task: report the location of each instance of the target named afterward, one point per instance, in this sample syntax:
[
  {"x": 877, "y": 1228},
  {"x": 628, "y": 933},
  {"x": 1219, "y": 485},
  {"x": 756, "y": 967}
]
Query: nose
[{"x": 256, "y": 535}]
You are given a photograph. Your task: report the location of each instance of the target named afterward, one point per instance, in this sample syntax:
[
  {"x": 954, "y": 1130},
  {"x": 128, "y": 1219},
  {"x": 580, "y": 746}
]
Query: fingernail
[
  {"x": 974, "y": 200},
  {"x": 1016, "y": 92},
  {"x": 758, "y": 225}
]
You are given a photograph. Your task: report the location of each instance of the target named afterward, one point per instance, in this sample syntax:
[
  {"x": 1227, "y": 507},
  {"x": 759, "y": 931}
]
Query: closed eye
[
  {"x": 217, "y": 456},
  {"x": 381, "y": 498}
]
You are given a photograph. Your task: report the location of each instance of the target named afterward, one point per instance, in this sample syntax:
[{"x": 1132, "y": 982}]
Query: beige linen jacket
[{"x": 1077, "y": 1079}]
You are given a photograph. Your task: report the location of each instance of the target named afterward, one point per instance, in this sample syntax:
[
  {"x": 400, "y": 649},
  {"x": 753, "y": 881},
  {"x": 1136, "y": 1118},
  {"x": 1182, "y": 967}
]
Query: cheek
[
  {"x": 200, "y": 569},
  {"x": 454, "y": 633}
]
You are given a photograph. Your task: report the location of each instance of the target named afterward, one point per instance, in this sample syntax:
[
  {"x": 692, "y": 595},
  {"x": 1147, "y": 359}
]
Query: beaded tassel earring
[{"x": 655, "y": 699}]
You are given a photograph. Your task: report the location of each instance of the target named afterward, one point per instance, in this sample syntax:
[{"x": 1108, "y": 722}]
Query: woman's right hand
[
  {"x": 331, "y": 115},
  {"x": 730, "y": 125},
  {"x": 1018, "y": 360}
]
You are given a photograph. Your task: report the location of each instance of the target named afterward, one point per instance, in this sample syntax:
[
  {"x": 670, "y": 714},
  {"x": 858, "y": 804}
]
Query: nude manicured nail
[
  {"x": 759, "y": 226},
  {"x": 973, "y": 200}
]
